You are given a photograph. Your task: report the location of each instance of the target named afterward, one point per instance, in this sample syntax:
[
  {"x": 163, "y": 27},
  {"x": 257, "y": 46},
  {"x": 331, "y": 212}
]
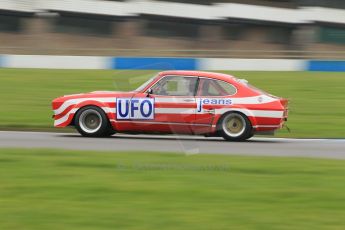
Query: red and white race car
[{"x": 179, "y": 102}]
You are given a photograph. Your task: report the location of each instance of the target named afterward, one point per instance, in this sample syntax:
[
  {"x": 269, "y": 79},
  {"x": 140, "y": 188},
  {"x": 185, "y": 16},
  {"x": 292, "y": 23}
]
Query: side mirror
[{"x": 149, "y": 91}]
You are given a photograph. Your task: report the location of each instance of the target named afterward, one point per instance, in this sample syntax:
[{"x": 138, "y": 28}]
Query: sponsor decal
[
  {"x": 135, "y": 108},
  {"x": 212, "y": 101}
]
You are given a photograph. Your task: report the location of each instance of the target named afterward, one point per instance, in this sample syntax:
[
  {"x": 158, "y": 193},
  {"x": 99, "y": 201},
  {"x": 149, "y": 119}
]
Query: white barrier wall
[
  {"x": 252, "y": 64},
  {"x": 55, "y": 62},
  {"x": 171, "y": 63}
]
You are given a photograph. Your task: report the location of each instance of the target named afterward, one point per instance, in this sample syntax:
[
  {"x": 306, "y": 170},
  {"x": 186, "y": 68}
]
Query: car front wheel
[
  {"x": 91, "y": 121},
  {"x": 235, "y": 127}
]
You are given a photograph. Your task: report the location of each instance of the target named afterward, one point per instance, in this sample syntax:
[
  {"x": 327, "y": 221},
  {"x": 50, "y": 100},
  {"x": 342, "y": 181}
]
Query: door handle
[
  {"x": 188, "y": 100},
  {"x": 210, "y": 111}
]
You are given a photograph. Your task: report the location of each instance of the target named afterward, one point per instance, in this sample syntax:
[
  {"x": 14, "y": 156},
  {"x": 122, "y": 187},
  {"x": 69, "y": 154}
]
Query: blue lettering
[
  {"x": 120, "y": 107},
  {"x": 221, "y": 101},
  {"x": 212, "y": 101},
  {"x": 142, "y": 111},
  {"x": 133, "y": 106}
]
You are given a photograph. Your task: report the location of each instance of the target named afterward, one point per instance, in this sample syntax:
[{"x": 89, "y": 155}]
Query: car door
[
  {"x": 170, "y": 106},
  {"x": 212, "y": 95}
]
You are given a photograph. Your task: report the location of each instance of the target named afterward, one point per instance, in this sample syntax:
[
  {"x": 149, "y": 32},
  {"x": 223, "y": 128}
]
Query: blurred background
[{"x": 313, "y": 29}]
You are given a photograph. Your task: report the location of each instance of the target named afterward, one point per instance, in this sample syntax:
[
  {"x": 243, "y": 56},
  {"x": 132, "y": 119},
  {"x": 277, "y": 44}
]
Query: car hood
[
  {"x": 57, "y": 102},
  {"x": 96, "y": 94}
]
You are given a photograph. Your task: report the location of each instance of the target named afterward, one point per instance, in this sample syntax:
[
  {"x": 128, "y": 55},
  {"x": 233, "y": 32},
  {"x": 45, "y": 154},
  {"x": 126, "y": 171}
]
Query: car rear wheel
[
  {"x": 235, "y": 127},
  {"x": 91, "y": 121}
]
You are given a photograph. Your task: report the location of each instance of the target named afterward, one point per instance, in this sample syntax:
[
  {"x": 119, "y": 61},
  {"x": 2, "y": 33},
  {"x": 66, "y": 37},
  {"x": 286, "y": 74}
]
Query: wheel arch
[
  {"x": 103, "y": 106},
  {"x": 250, "y": 116},
  {"x": 245, "y": 134}
]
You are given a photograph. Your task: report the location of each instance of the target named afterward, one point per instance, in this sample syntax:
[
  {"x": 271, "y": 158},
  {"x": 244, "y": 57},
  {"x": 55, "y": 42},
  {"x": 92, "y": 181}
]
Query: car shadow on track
[{"x": 175, "y": 138}]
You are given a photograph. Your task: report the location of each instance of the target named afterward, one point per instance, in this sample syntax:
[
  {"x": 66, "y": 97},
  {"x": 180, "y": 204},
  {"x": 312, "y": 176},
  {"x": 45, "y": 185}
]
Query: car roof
[{"x": 219, "y": 76}]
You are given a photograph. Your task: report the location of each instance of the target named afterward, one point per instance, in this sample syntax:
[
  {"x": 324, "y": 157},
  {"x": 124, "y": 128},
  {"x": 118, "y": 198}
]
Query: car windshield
[{"x": 143, "y": 86}]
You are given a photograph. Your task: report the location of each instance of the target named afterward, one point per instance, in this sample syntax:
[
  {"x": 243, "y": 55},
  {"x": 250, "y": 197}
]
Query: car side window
[
  {"x": 210, "y": 87},
  {"x": 175, "y": 86}
]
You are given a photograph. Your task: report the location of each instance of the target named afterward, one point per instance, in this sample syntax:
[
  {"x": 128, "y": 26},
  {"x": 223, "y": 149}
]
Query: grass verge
[{"x": 57, "y": 189}]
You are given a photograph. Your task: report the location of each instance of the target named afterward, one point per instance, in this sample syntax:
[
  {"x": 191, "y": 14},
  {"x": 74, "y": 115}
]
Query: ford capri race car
[{"x": 176, "y": 102}]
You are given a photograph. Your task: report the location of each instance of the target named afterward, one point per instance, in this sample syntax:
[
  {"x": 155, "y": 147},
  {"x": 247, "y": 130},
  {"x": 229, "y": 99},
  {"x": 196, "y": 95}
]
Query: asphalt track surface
[{"x": 319, "y": 148}]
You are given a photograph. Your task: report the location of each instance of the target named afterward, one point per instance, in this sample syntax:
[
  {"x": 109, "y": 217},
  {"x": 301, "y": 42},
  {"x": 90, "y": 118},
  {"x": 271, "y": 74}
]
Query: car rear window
[
  {"x": 246, "y": 83},
  {"x": 210, "y": 87}
]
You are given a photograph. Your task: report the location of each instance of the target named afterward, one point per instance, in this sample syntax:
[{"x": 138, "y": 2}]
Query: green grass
[
  {"x": 56, "y": 189},
  {"x": 317, "y": 98}
]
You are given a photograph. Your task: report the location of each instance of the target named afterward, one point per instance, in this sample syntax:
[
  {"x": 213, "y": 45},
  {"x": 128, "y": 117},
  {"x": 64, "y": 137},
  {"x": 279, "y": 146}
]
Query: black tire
[
  {"x": 250, "y": 136},
  {"x": 235, "y": 126},
  {"x": 110, "y": 132},
  {"x": 91, "y": 121}
]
